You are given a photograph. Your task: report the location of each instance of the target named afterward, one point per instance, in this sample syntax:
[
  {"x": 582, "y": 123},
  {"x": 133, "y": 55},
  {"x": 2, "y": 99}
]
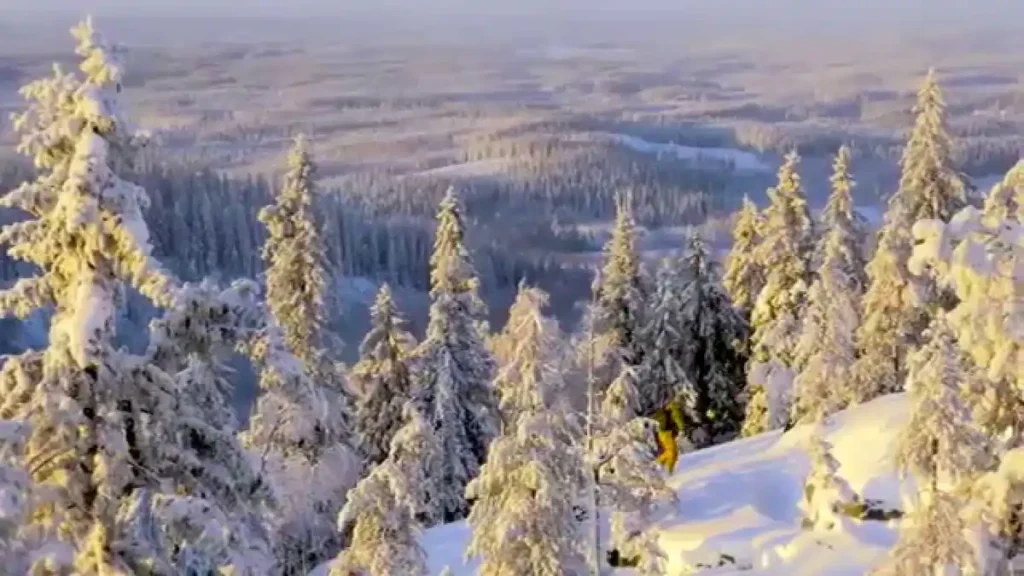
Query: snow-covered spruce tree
[
  {"x": 714, "y": 336},
  {"x": 824, "y": 490},
  {"x": 417, "y": 451},
  {"x": 896, "y": 305},
  {"x": 944, "y": 449},
  {"x": 534, "y": 474},
  {"x": 842, "y": 221},
  {"x": 630, "y": 481},
  {"x": 294, "y": 257},
  {"x": 384, "y": 536},
  {"x": 88, "y": 404},
  {"x": 826, "y": 350},
  {"x": 453, "y": 367},
  {"x": 941, "y": 443},
  {"x": 619, "y": 303},
  {"x": 785, "y": 252},
  {"x": 934, "y": 542},
  {"x": 663, "y": 376},
  {"x": 382, "y": 378},
  {"x": 744, "y": 276},
  {"x": 528, "y": 353}
]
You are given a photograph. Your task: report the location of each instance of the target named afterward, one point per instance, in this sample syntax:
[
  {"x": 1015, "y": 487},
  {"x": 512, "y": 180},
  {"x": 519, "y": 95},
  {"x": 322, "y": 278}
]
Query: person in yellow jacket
[{"x": 670, "y": 424}]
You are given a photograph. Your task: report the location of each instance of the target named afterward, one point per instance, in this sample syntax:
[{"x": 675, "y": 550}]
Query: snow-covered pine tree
[
  {"x": 629, "y": 480},
  {"x": 840, "y": 219},
  {"x": 785, "y": 252},
  {"x": 943, "y": 448},
  {"x": 528, "y": 353},
  {"x": 382, "y": 378},
  {"x": 664, "y": 377},
  {"x": 453, "y": 367},
  {"x": 826, "y": 349},
  {"x": 417, "y": 452},
  {"x": 978, "y": 255},
  {"x": 824, "y": 490},
  {"x": 744, "y": 276},
  {"x": 941, "y": 443},
  {"x": 620, "y": 301},
  {"x": 934, "y": 542},
  {"x": 84, "y": 400},
  {"x": 384, "y": 535},
  {"x": 714, "y": 337},
  {"x": 294, "y": 258},
  {"x": 896, "y": 303},
  {"x": 534, "y": 474}
]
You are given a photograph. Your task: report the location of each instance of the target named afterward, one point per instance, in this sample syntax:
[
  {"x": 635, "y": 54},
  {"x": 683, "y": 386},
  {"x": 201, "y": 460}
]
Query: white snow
[
  {"x": 742, "y": 499},
  {"x": 743, "y": 160}
]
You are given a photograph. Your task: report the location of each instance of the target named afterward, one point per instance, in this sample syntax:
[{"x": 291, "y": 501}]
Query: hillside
[{"x": 739, "y": 500}]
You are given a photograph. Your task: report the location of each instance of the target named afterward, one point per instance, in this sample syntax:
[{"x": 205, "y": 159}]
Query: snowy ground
[{"x": 740, "y": 500}]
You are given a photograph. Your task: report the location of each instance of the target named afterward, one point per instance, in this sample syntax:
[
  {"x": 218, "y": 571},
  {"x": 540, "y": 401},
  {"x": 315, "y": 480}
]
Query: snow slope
[{"x": 740, "y": 499}]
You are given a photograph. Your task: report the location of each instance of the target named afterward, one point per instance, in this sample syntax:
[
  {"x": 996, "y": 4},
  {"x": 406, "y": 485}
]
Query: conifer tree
[
  {"x": 840, "y": 219},
  {"x": 416, "y": 450},
  {"x": 384, "y": 536},
  {"x": 824, "y": 490},
  {"x": 943, "y": 447},
  {"x": 896, "y": 303},
  {"x": 664, "y": 377},
  {"x": 826, "y": 350},
  {"x": 382, "y": 378},
  {"x": 528, "y": 355},
  {"x": 534, "y": 474},
  {"x": 785, "y": 252},
  {"x": 294, "y": 258},
  {"x": 714, "y": 339},
  {"x": 629, "y": 480},
  {"x": 454, "y": 366},
  {"x": 744, "y": 276},
  {"x": 619, "y": 302}
]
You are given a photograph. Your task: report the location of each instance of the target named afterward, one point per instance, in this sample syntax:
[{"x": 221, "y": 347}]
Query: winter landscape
[{"x": 541, "y": 288}]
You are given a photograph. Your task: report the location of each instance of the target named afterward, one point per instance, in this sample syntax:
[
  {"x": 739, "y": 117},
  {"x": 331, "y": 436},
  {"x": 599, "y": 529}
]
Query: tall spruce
[
  {"x": 714, "y": 337},
  {"x": 744, "y": 275},
  {"x": 535, "y": 470},
  {"x": 528, "y": 354},
  {"x": 294, "y": 258},
  {"x": 785, "y": 252},
  {"x": 619, "y": 306},
  {"x": 826, "y": 351},
  {"x": 381, "y": 378},
  {"x": 663, "y": 374},
  {"x": 897, "y": 305},
  {"x": 119, "y": 452},
  {"x": 454, "y": 367}
]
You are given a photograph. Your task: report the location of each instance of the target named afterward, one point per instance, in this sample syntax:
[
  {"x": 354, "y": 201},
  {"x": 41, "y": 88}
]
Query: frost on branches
[
  {"x": 630, "y": 481},
  {"x": 826, "y": 350},
  {"x": 896, "y": 305},
  {"x": 14, "y": 497},
  {"x": 665, "y": 336},
  {"x": 933, "y": 542},
  {"x": 528, "y": 353},
  {"x": 744, "y": 276},
  {"x": 785, "y": 252},
  {"x": 978, "y": 255},
  {"x": 619, "y": 299},
  {"x": 825, "y": 492},
  {"x": 91, "y": 447},
  {"x": 523, "y": 517},
  {"x": 714, "y": 336},
  {"x": 294, "y": 255},
  {"x": 382, "y": 378},
  {"x": 385, "y": 511},
  {"x": 454, "y": 368}
]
